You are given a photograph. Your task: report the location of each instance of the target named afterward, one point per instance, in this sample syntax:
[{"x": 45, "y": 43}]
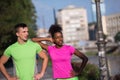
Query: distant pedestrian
[
  {"x": 61, "y": 55},
  {"x": 23, "y": 53}
]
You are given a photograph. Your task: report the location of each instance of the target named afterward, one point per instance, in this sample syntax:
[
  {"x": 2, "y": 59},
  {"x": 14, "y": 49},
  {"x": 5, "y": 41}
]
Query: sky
[{"x": 44, "y": 9}]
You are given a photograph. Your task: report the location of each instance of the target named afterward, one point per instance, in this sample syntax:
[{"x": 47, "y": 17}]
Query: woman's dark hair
[
  {"x": 17, "y": 26},
  {"x": 54, "y": 28}
]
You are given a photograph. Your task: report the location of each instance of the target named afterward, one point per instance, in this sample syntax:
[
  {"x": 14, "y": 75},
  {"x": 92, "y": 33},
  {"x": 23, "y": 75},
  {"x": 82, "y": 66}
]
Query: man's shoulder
[
  {"x": 12, "y": 45},
  {"x": 30, "y": 41}
]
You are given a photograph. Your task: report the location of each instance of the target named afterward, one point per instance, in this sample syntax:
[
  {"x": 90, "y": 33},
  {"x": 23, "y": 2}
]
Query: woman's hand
[{"x": 73, "y": 73}]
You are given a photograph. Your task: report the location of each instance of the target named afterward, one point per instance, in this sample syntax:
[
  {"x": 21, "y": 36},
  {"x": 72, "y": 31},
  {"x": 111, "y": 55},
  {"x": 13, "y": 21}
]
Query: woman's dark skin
[{"x": 57, "y": 39}]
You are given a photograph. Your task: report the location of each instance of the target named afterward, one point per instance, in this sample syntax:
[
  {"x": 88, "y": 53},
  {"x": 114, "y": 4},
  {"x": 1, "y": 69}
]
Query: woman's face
[{"x": 58, "y": 39}]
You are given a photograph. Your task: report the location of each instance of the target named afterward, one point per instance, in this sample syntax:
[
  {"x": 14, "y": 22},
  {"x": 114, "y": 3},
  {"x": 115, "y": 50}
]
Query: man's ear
[{"x": 17, "y": 34}]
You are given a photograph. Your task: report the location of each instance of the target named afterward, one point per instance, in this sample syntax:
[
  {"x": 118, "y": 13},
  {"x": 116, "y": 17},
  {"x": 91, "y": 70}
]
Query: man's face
[{"x": 22, "y": 33}]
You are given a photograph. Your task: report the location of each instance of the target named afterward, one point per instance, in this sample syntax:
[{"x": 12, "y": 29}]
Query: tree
[
  {"x": 117, "y": 37},
  {"x": 11, "y": 13}
]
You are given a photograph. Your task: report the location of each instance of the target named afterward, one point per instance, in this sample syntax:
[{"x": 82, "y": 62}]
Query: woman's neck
[{"x": 58, "y": 46}]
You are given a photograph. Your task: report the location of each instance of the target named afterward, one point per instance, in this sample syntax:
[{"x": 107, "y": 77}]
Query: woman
[{"x": 61, "y": 55}]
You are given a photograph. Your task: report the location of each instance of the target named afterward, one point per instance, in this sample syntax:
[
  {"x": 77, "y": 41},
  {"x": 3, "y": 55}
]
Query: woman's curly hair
[{"x": 54, "y": 28}]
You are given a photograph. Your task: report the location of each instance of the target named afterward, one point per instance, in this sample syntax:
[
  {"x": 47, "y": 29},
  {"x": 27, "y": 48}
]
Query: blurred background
[{"x": 78, "y": 21}]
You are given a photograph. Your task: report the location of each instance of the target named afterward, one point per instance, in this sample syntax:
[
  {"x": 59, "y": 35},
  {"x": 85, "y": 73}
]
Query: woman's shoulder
[
  {"x": 65, "y": 45},
  {"x": 51, "y": 46}
]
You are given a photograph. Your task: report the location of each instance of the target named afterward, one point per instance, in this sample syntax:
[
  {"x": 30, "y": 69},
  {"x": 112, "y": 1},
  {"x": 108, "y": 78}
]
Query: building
[
  {"x": 92, "y": 31},
  {"x": 111, "y": 25},
  {"x": 73, "y": 21},
  {"x": 42, "y": 32}
]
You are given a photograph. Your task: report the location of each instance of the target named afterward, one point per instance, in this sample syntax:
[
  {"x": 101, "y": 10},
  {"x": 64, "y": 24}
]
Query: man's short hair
[{"x": 17, "y": 26}]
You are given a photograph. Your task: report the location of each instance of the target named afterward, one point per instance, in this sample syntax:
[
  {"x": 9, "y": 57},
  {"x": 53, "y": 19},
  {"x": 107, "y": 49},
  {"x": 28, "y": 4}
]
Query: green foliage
[
  {"x": 91, "y": 53},
  {"x": 13, "y": 12},
  {"x": 117, "y": 37},
  {"x": 90, "y": 72}
]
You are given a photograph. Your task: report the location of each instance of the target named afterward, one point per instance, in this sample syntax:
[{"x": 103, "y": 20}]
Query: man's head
[{"x": 21, "y": 30}]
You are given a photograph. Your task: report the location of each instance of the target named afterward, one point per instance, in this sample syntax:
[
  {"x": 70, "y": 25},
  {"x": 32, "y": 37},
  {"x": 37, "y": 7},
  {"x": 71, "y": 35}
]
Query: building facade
[
  {"x": 111, "y": 25},
  {"x": 74, "y": 23},
  {"x": 42, "y": 32}
]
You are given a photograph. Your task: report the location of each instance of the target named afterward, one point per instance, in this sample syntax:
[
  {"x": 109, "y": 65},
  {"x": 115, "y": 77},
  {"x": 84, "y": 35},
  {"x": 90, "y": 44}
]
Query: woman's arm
[
  {"x": 39, "y": 41},
  {"x": 84, "y": 60}
]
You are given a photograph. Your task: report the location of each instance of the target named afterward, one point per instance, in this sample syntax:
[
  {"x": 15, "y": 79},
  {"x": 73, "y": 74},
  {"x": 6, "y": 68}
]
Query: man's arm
[
  {"x": 44, "y": 57},
  {"x": 3, "y": 60}
]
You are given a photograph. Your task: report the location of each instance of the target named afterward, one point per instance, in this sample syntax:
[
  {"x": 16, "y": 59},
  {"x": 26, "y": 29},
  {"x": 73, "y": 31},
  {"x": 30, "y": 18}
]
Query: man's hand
[
  {"x": 13, "y": 78},
  {"x": 38, "y": 76}
]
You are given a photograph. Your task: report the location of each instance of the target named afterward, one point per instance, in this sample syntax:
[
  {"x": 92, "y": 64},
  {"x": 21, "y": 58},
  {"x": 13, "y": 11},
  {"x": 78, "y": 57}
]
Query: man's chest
[{"x": 23, "y": 52}]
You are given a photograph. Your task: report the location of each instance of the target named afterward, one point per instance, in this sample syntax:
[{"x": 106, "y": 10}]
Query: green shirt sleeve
[
  {"x": 38, "y": 48},
  {"x": 7, "y": 52}
]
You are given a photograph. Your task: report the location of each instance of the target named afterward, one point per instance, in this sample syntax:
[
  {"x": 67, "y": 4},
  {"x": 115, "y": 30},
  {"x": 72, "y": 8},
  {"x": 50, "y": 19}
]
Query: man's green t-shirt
[{"x": 24, "y": 56}]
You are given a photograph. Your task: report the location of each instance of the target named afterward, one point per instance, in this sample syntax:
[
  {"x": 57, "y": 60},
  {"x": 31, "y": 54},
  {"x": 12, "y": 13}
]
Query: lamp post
[
  {"x": 54, "y": 14},
  {"x": 104, "y": 73}
]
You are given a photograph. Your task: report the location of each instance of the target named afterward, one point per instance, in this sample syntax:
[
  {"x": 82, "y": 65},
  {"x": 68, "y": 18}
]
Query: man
[{"x": 23, "y": 53}]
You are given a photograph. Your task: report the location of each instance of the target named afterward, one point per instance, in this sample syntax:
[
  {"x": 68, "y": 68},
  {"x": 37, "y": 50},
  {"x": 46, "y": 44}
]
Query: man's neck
[{"x": 21, "y": 41}]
